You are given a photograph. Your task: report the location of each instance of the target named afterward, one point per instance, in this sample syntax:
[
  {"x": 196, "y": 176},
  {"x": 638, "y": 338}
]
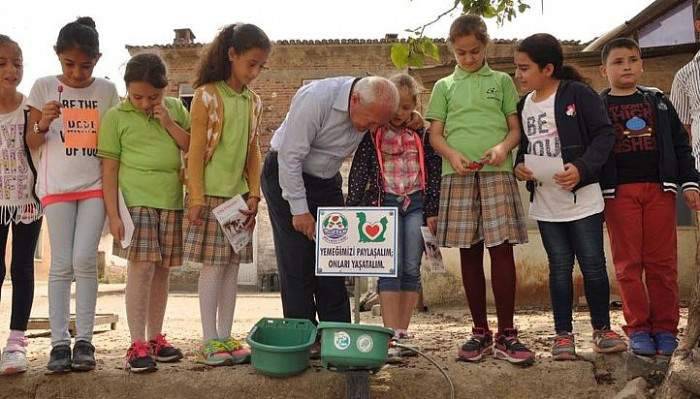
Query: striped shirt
[{"x": 685, "y": 96}]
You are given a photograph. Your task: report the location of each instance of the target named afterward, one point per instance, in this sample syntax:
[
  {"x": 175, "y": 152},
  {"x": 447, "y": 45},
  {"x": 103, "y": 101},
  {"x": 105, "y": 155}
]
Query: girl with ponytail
[{"x": 223, "y": 162}]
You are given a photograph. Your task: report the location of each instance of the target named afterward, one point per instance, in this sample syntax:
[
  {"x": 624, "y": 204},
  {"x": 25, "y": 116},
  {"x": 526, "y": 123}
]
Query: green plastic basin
[
  {"x": 280, "y": 347},
  {"x": 346, "y": 346}
]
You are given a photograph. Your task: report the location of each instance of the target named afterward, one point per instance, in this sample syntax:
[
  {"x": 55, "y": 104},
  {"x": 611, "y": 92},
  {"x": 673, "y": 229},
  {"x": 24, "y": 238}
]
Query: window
[{"x": 186, "y": 93}]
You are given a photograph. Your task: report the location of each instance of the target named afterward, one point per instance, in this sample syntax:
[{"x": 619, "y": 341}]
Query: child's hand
[
  {"x": 252, "y": 211},
  {"x": 692, "y": 199},
  {"x": 194, "y": 214},
  {"x": 160, "y": 113},
  {"x": 522, "y": 172},
  {"x": 116, "y": 227},
  {"x": 49, "y": 113},
  {"x": 569, "y": 178},
  {"x": 495, "y": 156},
  {"x": 432, "y": 224},
  {"x": 460, "y": 163},
  {"x": 415, "y": 121}
]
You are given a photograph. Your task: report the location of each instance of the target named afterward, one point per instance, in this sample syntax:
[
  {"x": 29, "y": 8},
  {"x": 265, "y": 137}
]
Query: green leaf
[
  {"x": 430, "y": 49},
  {"x": 522, "y": 7},
  {"x": 416, "y": 60},
  {"x": 399, "y": 55},
  {"x": 489, "y": 11}
]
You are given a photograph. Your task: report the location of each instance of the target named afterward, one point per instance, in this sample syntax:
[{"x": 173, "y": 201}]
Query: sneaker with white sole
[
  {"x": 507, "y": 347},
  {"x": 564, "y": 346},
  {"x": 608, "y": 341},
  {"x": 480, "y": 344},
  {"x": 13, "y": 362},
  {"x": 163, "y": 351},
  {"x": 239, "y": 353},
  {"x": 214, "y": 353}
]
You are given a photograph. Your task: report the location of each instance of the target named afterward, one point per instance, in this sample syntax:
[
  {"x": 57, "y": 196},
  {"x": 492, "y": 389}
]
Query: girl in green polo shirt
[
  {"x": 140, "y": 142},
  {"x": 474, "y": 127},
  {"x": 223, "y": 162}
]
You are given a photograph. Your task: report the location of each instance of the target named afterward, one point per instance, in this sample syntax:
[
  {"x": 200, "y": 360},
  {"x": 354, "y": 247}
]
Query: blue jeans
[
  {"x": 582, "y": 238},
  {"x": 410, "y": 245}
]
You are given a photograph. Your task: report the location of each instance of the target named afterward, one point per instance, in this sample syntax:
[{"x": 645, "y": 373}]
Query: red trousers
[{"x": 641, "y": 223}]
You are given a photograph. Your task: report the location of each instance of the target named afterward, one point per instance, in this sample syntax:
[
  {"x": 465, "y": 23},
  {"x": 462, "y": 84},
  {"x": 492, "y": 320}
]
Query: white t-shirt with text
[
  {"x": 68, "y": 167},
  {"x": 552, "y": 203}
]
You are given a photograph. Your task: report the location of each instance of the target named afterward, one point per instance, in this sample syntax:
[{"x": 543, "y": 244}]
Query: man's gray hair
[{"x": 375, "y": 90}]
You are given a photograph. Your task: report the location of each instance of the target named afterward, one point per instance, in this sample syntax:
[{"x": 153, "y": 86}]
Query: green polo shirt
[
  {"x": 474, "y": 106},
  {"x": 149, "y": 159},
  {"x": 223, "y": 175}
]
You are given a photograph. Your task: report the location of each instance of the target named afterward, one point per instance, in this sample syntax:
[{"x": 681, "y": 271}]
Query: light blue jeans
[
  {"x": 410, "y": 245},
  {"x": 74, "y": 231}
]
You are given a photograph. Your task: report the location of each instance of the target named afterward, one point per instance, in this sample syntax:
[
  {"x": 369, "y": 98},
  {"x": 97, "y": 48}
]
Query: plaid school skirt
[
  {"x": 157, "y": 237},
  {"x": 206, "y": 243},
  {"x": 482, "y": 206}
]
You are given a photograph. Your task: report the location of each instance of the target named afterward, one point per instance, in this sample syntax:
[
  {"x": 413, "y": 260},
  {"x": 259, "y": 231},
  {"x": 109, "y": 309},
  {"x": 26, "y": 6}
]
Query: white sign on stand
[{"x": 359, "y": 242}]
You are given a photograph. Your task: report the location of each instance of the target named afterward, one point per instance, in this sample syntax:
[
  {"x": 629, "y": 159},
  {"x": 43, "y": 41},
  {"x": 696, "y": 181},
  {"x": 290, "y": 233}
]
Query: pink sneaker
[
  {"x": 479, "y": 345},
  {"x": 240, "y": 353},
  {"x": 507, "y": 347}
]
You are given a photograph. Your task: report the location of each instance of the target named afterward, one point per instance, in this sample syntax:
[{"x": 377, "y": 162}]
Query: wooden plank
[{"x": 42, "y": 323}]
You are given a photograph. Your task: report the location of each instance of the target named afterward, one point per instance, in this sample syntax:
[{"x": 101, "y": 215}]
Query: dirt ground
[{"x": 437, "y": 333}]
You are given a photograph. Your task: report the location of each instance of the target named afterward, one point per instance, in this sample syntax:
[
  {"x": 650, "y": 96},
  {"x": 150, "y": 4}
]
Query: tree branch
[{"x": 422, "y": 28}]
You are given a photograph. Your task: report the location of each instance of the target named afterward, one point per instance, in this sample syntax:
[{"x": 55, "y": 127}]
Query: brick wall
[{"x": 292, "y": 63}]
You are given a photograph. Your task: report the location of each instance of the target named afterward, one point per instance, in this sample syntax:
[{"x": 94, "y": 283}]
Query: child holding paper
[
  {"x": 65, "y": 112},
  {"x": 564, "y": 118},
  {"x": 474, "y": 127},
  {"x": 396, "y": 166},
  {"x": 223, "y": 162},
  {"x": 140, "y": 144}
]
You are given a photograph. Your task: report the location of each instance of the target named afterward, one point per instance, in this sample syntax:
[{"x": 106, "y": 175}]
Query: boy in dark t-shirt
[{"x": 650, "y": 162}]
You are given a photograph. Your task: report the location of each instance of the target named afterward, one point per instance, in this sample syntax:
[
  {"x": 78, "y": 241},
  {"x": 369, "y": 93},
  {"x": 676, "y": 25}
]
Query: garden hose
[{"x": 444, "y": 374}]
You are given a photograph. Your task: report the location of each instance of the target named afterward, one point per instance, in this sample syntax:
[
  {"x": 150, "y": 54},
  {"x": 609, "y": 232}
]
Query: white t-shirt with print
[
  {"x": 552, "y": 203},
  {"x": 17, "y": 202},
  {"x": 68, "y": 163}
]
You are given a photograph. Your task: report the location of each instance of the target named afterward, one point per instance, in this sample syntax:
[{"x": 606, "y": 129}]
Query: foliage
[{"x": 414, "y": 52}]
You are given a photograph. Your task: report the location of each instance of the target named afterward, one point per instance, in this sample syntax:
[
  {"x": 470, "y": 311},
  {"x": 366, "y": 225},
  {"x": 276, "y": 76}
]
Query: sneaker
[
  {"x": 508, "y": 347},
  {"x": 480, "y": 344},
  {"x": 642, "y": 344},
  {"x": 83, "y": 356},
  {"x": 564, "y": 347},
  {"x": 214, "y": 353},
  {"x": 393, "y": 355},
  {"x": 60, "y": 359},
  {"x": 163, "y": 351},
  {"x": 666, "y": 343},
  {"x": 405, "y": 352},
  {"x": 13, "y": 362},
  {"x": 608, "y": 341},
  {"x": 239, "y": 353},
  {"x": 138, "y": 358}
]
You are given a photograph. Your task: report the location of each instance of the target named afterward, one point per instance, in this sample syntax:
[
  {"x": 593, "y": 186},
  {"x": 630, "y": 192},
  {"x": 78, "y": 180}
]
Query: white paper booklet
[
  {"x": 432, "y": 251},
  {"x": 232, "y": 222},
  {"x": 544, "y": 168},
  {"x": 126, "y": 221}
]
